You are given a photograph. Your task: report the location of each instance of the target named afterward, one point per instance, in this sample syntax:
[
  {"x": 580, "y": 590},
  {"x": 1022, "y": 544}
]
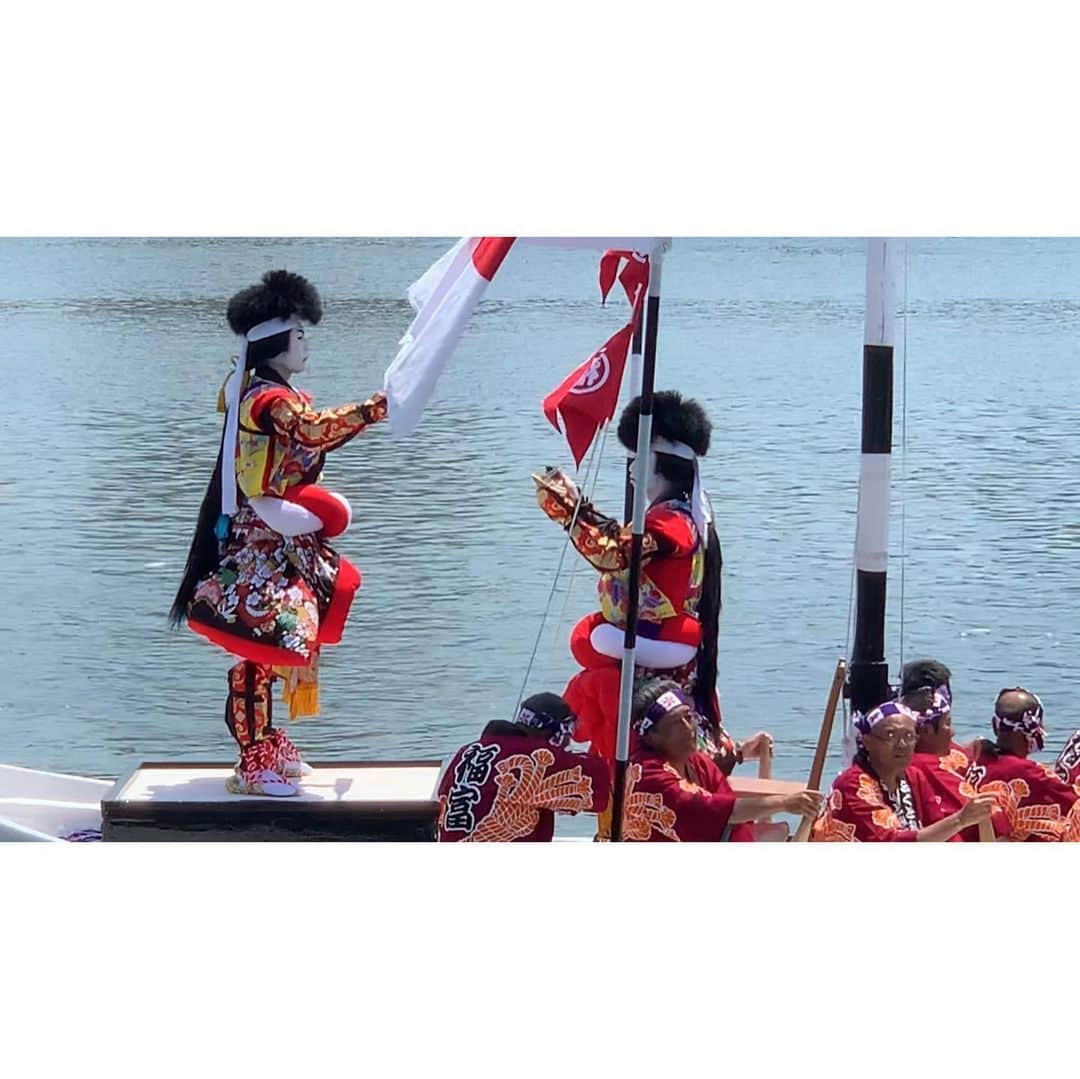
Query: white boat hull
[{"x": 45, "y": 807}]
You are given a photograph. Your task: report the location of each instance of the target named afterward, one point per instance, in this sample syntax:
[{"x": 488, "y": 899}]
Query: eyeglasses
[{"x": 896, "y": 737}]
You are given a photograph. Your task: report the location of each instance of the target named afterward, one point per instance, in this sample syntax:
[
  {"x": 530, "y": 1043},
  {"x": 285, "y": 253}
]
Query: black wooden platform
[{"x": 390, "y": 801}]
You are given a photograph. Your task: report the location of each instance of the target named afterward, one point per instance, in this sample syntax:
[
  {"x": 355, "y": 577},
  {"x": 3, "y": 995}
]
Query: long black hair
[
  {"x": 279, "y": 294},
  {"x": 680, "y": 419}
]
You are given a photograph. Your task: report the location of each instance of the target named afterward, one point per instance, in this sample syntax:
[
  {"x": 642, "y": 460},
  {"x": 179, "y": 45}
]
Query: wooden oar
[
  {"x": 764, "y": 767},
  {"x": 764, "y": 770},
  {"x": 986, "y": 832},
  {"x": 814, "y": 783}
]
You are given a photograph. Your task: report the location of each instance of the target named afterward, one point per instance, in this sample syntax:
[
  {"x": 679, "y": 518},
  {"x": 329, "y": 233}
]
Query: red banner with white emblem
[{"x": 586, "y": 399}]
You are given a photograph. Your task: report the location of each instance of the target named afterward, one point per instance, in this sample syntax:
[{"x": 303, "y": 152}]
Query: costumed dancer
[
  {"x": 508, "y": 784},
  {"x": 1040, "y": 805},
  {"x": 680, "y": 583},
  {"x": 261, "y": 581}
]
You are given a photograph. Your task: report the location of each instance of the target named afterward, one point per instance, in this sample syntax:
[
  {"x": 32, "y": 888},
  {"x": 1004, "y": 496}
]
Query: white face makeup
[
  {"x": 295, "y": 359},
  {"x": 658, "y": 486}
]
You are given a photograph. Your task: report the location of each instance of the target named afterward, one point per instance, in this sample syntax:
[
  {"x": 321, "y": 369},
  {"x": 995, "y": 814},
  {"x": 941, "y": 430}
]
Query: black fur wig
[
  {"x": 675, "y": 418},
  {"x": 279, "y": 294}
]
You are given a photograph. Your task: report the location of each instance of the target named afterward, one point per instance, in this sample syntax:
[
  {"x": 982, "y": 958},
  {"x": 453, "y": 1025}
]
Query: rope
[
  {"x": 554, "y": 584},
  {"x": 599, "y": 456},
  {"x": 903, "y": 466}
]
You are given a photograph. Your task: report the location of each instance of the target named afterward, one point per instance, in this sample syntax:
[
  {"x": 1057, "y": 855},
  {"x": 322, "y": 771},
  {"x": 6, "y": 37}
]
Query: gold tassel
[
  {"x": 221, "y": 403},
  {"x": 300, "y": 689},
  {"x": 304, "y": 701}
]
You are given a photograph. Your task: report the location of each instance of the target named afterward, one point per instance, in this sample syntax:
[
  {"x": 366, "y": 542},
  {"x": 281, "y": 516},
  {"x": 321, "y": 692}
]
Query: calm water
[{"x": 114, "y": 351}]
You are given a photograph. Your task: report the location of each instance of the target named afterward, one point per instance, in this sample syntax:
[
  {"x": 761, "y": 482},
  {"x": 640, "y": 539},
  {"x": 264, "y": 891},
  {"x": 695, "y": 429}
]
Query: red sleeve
[
  {"x": 262, "y": 401},
  {"x": 927, "y": 803},
  {"x": 699, "y": 815},
  {"x": 1048, "y": 788},
  {"x": 674, "y": 531}
]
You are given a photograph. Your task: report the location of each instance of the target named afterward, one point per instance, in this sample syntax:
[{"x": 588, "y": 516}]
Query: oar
[
  {"x": 986, "y": 832},
  {"x": 764, "y": 771},
  {"x": 764, "y": 767},
  {"x": 803, "y": 834}
]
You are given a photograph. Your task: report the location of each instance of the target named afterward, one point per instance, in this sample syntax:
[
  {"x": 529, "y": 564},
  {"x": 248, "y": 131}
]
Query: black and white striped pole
[
  {"x": 640, "y": 505},
  {"x": 869, "y": 678},
  {"x": 635, "y": 389}
]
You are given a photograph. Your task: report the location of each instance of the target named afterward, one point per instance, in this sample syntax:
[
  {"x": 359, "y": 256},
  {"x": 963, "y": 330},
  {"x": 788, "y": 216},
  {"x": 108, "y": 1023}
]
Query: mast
[
  {"x": 641, "y": 483},
  {"x": 635, "y": 389},
  {"x": 869, "y": 680}
]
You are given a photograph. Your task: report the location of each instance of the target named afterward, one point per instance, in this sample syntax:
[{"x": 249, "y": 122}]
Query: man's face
[
  {"x": 675, "y": 735},
  {"x": 891, "y": 744},
  {"x": 922, "y": 700}
]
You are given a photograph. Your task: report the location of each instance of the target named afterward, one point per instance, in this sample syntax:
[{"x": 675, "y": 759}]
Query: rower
[
  {"x": 926, "y": 692},
  {"x": 1040, "y": 805},
  {"x": 508, "y": 784},
  {"x": 675, "y": 792},
  {"x": 881, "y": 798}
]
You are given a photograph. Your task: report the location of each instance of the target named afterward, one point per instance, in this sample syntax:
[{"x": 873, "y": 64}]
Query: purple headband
[
  {"x": 667, "y": 702},
  {"x": 1030, "y": 724},
  {"x": 940, "y": 705},
  {"x": 559, "y": 729},
  {"x": 864, "y": 724}
]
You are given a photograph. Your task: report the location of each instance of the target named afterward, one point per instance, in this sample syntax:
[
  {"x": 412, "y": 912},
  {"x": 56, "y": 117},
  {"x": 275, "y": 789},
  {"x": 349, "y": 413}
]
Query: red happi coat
[
  {"x": 663, "y": 806},
  {"x": 946, "y": 777},
  {"x": 857, "y": 810},
  {"x": 1039, "y": 804},
  {"x": 506, "y": 788},
  {"x": 1067, "y": 765}
]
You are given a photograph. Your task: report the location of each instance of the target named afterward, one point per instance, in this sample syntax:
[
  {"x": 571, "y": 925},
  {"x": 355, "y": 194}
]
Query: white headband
[
  {"x": 270, "y": 328},
  {"x": 673, "y": 449},
  {"x": 699, "y": 500}
]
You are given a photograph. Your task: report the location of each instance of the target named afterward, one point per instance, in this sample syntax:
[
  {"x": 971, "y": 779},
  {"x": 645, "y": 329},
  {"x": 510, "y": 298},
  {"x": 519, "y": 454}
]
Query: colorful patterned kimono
[
  {"x": 662, "y": 806},
  {"x": 859, "y": 810},
  {"x": 274, "y": 600},
  {"x": 507, "y": 788},
  {"x": 673, "y": 569},
  {"x": 946, "y": 777},
  {"x": 1039, "y": 805}
]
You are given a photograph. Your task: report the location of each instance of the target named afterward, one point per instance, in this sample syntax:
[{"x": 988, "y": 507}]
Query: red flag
[
  {"x": 635, "y": 280},
  {"x": 609, "y": 269},
  {"x": 587, "y": 397},
  {"x": 634, "y": 277}
]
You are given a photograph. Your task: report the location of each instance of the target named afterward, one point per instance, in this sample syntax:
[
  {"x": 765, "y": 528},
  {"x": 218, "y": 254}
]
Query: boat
[
  {"x": 49, "y": 807},
  {"x": 350, "y": 801}
]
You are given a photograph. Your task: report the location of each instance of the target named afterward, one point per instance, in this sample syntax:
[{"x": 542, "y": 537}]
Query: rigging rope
[
  {"x": 585, "y": 492},
  {"x": 599, "y": 455},
  {"x": 903, "y": 466}
]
